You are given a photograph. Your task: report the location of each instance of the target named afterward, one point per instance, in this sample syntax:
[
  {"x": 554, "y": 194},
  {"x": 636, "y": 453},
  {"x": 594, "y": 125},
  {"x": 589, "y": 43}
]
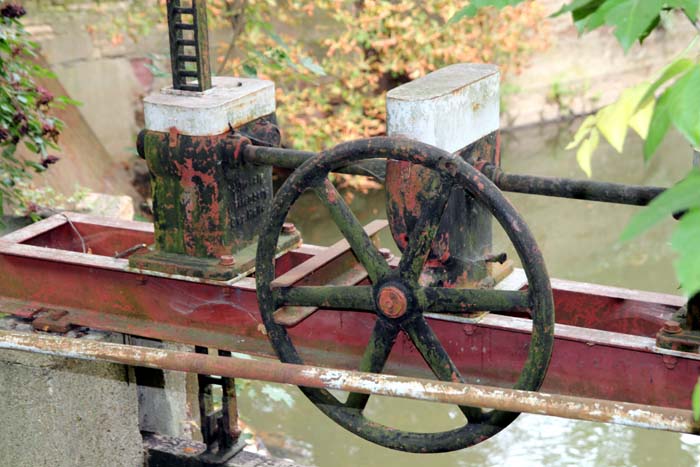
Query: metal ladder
[{"x": 189, "y": 44}]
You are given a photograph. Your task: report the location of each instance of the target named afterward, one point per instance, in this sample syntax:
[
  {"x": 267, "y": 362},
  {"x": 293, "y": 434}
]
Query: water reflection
[{"x": 579, "y": 242}]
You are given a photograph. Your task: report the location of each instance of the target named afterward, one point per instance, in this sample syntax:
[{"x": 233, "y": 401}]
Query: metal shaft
[
  {"x": 292, "y": 158},
  {"x": 622, "y": 413},
  {"x": 588, "y": 190}
]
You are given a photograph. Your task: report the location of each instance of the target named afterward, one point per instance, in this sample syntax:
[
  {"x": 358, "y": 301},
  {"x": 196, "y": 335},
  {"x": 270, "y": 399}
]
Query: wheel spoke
[
  {"x": 444, "y": 300},
  {"x": 376, "y": 354},
  {"x": 424, "y": 231},
  {"x": 341, "y": 297},
  {"x": 438, "y": 360},
  {"x": 365, "y": 251}
]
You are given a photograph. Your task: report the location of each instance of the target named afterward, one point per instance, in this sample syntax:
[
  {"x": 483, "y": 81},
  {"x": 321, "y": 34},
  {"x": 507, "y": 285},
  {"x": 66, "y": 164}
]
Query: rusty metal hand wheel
[{"x": 395, "y": 294}]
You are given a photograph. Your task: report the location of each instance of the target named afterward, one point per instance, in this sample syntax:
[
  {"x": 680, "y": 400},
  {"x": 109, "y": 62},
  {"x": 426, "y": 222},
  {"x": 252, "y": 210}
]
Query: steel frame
[{"x": 601, "y": 332}]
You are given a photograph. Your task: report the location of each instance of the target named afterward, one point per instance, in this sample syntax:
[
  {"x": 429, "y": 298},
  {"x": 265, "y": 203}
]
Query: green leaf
[
  {"x": 682, "y": 196},
  {"x": 249, "y": 70},
  {"x": 671, "y": 71},
  {"x": 654, "y": 24},
  {"x": 312, "y": 66},
  {"x": 684, "y": 102},
  {"x": 685, "y": 242},
  {"x": 631, "y": 19},
  {"x": 585, "y": 152},
  {"x": 578, "y": 5},
  {"x": 593, "y": 16},
  {"x": 689, "y": 6},
  {"x": 695, "y": 401},
  {"x": 473, "y": 7},
  {"x": 31, "y": 146},
  {"x": 68, "y": 101},
  {"x": 658, "y": 127}
]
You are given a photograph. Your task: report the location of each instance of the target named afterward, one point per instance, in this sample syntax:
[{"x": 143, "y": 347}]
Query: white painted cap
[
  {"x": 230, "y": 101},
  {"x": 448, "y": 108}
]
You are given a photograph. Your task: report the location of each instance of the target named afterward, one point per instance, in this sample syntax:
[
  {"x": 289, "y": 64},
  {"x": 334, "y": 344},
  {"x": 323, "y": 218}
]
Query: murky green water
[{"x": 579, "y": 242}]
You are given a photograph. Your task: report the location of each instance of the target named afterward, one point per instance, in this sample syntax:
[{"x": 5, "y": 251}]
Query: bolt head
[
  {"x": 392, "y": 302},
  {"x": 672, "y": 327},
  {"x": 386, "y": 253},
  {"x": 227, "y": 260}
]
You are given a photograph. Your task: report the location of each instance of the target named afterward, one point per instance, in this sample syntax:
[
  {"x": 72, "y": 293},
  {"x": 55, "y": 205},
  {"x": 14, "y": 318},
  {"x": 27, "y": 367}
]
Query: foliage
[
  {"x": 331, "y": 79},
  {"x": 330, "y": 85},
  {"x": 379, "y": 44},
  {"x": 25, "y": 109}
]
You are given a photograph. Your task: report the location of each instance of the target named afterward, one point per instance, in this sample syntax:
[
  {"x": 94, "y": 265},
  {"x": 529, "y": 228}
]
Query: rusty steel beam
[{"x": 621, "y": 413}]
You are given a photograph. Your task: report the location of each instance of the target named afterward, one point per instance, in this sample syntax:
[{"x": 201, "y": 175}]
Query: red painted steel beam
[{"x": 596, "y": 361}]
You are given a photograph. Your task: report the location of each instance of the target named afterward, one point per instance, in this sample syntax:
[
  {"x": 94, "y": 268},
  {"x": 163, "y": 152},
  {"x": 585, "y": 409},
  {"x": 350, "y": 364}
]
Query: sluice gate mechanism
[{"x": 449, "y": 320}]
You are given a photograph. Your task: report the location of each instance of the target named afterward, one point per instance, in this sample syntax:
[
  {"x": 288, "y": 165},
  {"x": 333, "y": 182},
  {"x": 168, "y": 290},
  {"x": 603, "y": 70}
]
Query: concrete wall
[
  {"x": 59, "y": 412},
  {"x": 53, "y": 408}
]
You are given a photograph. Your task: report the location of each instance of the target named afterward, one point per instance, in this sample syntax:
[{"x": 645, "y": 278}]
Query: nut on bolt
[
  {"x": 289, "y": 228},
  {"x": 227, "y": 260},
  {"x": 672, "y": 327}
]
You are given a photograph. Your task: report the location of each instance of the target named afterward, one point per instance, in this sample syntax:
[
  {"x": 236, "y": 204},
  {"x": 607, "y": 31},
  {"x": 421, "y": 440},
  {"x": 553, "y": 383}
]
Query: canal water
[{"x": 579, "y": 242}]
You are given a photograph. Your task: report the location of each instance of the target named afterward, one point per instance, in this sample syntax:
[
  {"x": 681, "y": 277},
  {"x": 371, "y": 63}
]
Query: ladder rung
[
  {"x": 188, "y": 87},
  {"x": 186, "y": 58},
  {"x": 186, "y": 42},
  {"x": 183, "y": 10},
  {"x": 189, "y": 73},
  {"x": 184, "y": 26}
]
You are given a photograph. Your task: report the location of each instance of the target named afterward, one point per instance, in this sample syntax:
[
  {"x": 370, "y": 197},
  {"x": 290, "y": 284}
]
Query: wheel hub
[{"x": 392, "y": 301}]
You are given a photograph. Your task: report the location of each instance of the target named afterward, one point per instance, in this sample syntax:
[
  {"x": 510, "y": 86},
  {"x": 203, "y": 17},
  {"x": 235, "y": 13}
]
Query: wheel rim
[{"x": 397, "y": 298}]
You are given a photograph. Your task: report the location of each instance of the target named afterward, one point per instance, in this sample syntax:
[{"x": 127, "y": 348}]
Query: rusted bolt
[
  {"x": 227, "y": 260},
  {"x": 386, "y": 253},
  {"x": 670, "y": 361},
  {"x": 499, "y": 258},
  {"x": 672, "y": 327},
  {"x": 392, "y": 302},
  {"x": 288, "y": 228}
]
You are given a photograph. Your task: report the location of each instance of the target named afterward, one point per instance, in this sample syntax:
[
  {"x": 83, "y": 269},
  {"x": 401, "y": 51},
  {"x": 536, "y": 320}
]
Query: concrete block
[
  {"x": 100, "y": 204},
  {"x": 448, "y": 108},
  {"x": 61, "y": 412},
  {"x": 162, "y": 398},
  {"x": 230, "y": 102}
]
